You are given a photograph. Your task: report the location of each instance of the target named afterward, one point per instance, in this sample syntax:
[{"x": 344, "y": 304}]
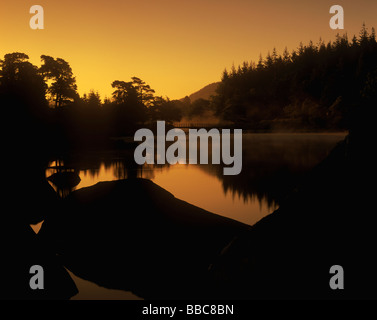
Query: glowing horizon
[{"x": 175, "y": 47}]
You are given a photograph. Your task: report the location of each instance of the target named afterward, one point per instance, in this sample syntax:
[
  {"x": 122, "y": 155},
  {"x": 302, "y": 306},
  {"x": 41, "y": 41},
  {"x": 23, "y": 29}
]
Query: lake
[{"x": 273, "y": 164}]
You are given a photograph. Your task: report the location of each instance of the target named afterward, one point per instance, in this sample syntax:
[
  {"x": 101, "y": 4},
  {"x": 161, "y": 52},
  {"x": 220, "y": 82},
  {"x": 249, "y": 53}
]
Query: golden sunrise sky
[{"x": 176, "y": 46}]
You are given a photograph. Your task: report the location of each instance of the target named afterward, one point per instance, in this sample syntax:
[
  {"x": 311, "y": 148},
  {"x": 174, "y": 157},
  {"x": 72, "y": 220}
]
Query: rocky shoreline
[{"x": 133, "y": 235}]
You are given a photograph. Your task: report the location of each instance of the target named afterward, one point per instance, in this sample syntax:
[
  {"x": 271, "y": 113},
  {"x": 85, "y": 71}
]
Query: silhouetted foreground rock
[
  {"x": 328, "y": 221},
  {"x": 65, "y": 179},
  {"x": 28, "y": 199},
  {"x": 133, "y": 235},
  {"x": 22, "y": 249},
  {"x": 31, "y": 199}
]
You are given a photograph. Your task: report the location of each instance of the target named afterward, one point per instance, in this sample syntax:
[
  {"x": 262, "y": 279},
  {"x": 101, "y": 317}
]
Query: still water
[{"x": 272, "y": 165}]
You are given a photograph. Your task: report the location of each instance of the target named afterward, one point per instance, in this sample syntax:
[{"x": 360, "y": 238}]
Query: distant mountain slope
[{"x": 204, "y": 93}]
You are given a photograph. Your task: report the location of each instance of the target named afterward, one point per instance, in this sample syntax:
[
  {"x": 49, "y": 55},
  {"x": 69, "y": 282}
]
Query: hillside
[{"x": 204, "y": 93}]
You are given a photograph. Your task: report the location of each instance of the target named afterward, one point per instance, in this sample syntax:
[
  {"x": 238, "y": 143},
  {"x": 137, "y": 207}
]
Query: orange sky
[{"x": 176, "y": 46}]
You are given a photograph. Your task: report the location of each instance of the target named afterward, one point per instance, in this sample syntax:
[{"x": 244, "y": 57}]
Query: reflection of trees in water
[
  {"x": 273, "y": 165},
  {"x": 64, "y": 181},
  {"x": 62, "y": 178},
  {"x": 120, "y": 163},
  {"x": 124, "y": 170}
]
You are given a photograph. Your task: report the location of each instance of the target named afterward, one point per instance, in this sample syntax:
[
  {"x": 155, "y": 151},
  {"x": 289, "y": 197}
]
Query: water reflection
[
  {"x": 272, "y": 165},
  {"x": 37, "y": 227},
  {"x": 91, "y": 291}
]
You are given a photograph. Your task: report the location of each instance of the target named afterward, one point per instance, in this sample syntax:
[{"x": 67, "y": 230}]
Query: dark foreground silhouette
[
  {"x": 21, "y": 248},
  {"x": 328, "y": 220},
  {"x": 133, "y": 235}
]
